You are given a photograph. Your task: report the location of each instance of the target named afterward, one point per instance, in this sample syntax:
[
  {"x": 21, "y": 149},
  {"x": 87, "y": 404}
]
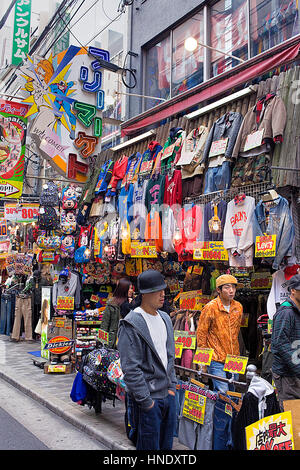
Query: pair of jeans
[
  {"x": 152, "y": 429},
  {"x": 224, "y": 416},
  {"x": 217, "y": 178},
  {"x": 216, "y": 368},
  {"x": 197, "y": 436},
  {"x": 22, "y": 309},
  {"x": 7, "y": 312}
]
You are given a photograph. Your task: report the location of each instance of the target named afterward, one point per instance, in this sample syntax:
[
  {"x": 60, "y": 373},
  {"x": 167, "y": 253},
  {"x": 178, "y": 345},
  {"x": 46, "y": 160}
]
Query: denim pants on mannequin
[{"x": 7, "y": 313}]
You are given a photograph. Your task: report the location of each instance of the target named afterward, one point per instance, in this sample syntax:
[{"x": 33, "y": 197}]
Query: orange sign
[{"x": 59, "y": 345}]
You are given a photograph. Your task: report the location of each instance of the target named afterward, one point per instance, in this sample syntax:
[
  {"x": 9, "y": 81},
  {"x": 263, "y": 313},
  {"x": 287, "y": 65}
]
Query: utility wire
[
  {"x": 63, "y": 31},
  {"x": 6, "y": 14}
]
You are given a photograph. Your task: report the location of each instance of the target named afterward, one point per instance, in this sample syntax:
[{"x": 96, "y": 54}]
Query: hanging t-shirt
[
  {"x": 138, "y": 209},
  {"x": 155, "y": 192},
  {"x": 279, "y": 293},
  {"x": 158, "y": 333},
  {"x": 188, "y": 222},
  {"x": 173, "y": 189},
  {"x": 153, "y": 229}
]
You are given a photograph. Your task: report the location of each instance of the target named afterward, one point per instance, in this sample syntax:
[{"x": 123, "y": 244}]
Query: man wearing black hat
[
  {"x": 285, "y": 344},
  {"x": 147, "y": 351}
]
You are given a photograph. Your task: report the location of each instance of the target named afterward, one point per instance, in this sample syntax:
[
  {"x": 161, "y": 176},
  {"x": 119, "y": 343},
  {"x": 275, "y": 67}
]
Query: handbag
[
  {"x": 38, "y": 328},
  {"x": 79, "y": 389}
]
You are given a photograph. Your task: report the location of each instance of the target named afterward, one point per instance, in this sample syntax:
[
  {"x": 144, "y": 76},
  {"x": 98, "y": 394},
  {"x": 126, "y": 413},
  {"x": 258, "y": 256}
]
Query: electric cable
[{"x": 124, "y": 70}]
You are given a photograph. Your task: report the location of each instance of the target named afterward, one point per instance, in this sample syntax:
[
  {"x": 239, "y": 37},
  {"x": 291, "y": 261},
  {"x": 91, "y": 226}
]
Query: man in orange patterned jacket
[{"x": 219, "y": 327}]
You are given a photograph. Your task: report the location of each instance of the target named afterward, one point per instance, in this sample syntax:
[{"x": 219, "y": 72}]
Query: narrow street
[{"x": 27, "y": 425}]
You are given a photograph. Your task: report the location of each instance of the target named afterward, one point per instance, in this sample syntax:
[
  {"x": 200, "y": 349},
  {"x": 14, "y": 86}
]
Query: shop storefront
[{"x": 204, "y": 194}]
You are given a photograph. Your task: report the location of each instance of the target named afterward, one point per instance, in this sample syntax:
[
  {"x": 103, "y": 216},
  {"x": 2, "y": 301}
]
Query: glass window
[
  {"x": 157, "y": 73},
  {"x": 229, "y": 33},
  {"x": 187, "y": 67},
  {"x": 272, "y": 22}
]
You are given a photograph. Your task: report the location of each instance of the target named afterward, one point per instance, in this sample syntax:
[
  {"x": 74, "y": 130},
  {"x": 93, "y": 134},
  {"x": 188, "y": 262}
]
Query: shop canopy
[{"x": 243, "y": 73}]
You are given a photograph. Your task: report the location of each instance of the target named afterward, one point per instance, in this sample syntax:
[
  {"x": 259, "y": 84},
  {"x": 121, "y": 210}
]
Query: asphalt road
[{"x": 28, "y": 425}]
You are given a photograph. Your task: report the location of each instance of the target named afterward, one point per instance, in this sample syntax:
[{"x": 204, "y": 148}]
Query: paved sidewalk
[{"x": 53, "y": 391}]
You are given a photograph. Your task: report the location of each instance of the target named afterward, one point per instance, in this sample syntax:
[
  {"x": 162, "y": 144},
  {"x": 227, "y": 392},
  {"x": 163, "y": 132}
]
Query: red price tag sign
[
  {"x": 187, "y": 338},
  {"x": 203, "y": 356},
  {"x": 188, "y": 300},
  {"x": 103, "y": 336},
  {"x": 178, "y": 350},
  {"x": 235, "y": 364}
]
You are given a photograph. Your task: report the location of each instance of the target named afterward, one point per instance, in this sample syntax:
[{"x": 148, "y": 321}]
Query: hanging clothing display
[
  {"x": 238, "y": 233},
  {"x": 274, "y": 218}
]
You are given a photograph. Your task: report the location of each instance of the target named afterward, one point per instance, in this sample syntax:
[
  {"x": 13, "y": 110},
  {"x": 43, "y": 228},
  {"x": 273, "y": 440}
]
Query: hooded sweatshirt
[{"x": 145, "y": 375}]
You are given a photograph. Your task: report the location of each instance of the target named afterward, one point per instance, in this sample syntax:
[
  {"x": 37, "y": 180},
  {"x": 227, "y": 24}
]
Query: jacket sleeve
[
  {"x": 234, "y": 134},
  {"x": 281, "y": 345},
  {"x": 131, "y": 357},
  {"x": 278, "y": 117},
  {"x": 208, "y": 143},
  {"x": 203, "y": 328},
  {"x": 230, "y": 242},
  {"x": 238, "y": 142},
  {"x": 246, "y": 239},
  {"x": 106, "y": 321},
  {"x": 285, "y": 239}
]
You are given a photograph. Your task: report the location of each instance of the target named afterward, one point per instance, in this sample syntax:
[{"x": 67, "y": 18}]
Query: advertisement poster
[
  {"x": 13, "y": 129},
  {"x": 272, "y": 433},
  {"x": 45, "y": 317},
  {"x": 26, "y": 213},
  {"x": 65, "y": 98}
]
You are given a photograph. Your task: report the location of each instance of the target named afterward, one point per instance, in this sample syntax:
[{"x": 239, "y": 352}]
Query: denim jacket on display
[
  {"x": 280, "y": 223},
  {"x": 227, "y": 125}
]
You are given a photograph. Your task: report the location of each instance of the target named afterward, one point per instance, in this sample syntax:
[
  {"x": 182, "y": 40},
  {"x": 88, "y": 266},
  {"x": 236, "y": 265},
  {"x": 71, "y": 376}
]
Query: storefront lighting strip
[
  {"x": 217, "y": 104},
  {"x": 135, "y": 139}
]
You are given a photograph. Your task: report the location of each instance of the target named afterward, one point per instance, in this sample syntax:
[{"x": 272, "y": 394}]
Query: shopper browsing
[
  {"x": 146, "y": 346},
  {"x": 218, "y": 328},
  {"x": 285, "y": 344},
  {"x": 115, "y": 308}
]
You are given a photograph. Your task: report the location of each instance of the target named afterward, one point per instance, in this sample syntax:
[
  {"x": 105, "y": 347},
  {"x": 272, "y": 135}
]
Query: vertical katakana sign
[{"x": 21, "y": 35}]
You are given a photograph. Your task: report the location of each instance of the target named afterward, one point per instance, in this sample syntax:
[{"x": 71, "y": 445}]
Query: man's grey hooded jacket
[{"x": 145, "y": 376}]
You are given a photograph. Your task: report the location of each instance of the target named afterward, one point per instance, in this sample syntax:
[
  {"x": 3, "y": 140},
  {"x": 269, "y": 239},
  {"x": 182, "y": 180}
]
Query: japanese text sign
[
  {"x": 103, "y": 336},
  {"x": 210, "y": 251},
  {"x": 21, "y": 34},
  {"x": 65, "y": 303},
  {"x": 194, "y": 406},
  {"x": 272, "y": 433},
  {"x": 143, "y": 250}
]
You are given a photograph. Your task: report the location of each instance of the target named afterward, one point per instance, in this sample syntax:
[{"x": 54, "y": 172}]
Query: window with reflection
[
  {"x": 272, "y": 22},
  {"x": 229, "y": 33},
  {"x": 158, "y": 72},
  {"x": 187, "y": 66}
]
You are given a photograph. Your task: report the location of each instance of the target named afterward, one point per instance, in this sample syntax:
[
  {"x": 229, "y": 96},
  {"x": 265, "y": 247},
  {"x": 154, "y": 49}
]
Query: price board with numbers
[
  {"x": 235, "y": 364},
  {"x": 187, "y": 338}
]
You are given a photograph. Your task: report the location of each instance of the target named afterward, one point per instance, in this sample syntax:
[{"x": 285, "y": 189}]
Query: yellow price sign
[
  {"x": 194, "y": 406},
  {"x": 187, "y": 338},
  {"x": 274, "y": 432},
  {"x": 65, "y": 303},
  {"x": 203, "y": 356},
  {"x": 235, "y": 364},
  {"x": 178, "y": 350},
  {"x": 265, "y": 246}
]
